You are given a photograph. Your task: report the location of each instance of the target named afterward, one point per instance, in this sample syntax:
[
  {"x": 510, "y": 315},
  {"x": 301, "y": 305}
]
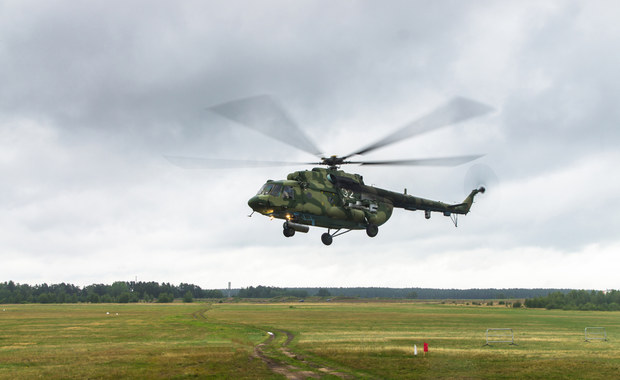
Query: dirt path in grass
[
  {"x": 290, "y": 371},
  {"x": 287, "y": 370}
]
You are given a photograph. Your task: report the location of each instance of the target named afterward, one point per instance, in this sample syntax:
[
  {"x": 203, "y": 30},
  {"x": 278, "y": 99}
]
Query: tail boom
[{"x": 412, "y": 203}]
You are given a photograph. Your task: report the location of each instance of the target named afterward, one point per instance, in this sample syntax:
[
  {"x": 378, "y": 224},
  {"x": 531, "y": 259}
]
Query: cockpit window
[
  {"x": 275, "y": 191},
  {"x": 287, "y": 192},
  {"x": 265, "y": 189}
]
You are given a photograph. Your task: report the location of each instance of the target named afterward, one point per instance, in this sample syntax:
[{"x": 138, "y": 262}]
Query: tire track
[
  {"x": 287, "y": 370},
  {"x": 294, "y": 372}
]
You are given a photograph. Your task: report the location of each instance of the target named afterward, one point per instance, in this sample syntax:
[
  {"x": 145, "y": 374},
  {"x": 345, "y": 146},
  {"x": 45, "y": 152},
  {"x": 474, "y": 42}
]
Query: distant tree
[
  {"x": 60, "y": 295},
  {"x": 166, "y": 287},
  {"x": 188, "y": 297},
  {"x": 118, "y": 288},
  {"x": 212, "y": 294},
  {"x": 412, "y": 295},
  {"x": 295, "y": 293},
  {"x": 44, "y": 298},
  {"x": 165, "y": 298},
  {"x": 323, "y": 293},
  {"x": 124, "y": 298}
]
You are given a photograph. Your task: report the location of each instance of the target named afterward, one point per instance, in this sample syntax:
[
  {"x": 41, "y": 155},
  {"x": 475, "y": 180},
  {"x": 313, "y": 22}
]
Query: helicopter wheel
[
  {"x": 326, "y": 238},
  {"x": 372, "y": 230},
  {"x": 288, "y": 232}
]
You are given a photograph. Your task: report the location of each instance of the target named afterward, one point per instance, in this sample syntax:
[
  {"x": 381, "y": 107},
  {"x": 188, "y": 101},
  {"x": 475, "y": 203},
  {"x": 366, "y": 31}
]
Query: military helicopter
[{"x": 327, "y": 196}]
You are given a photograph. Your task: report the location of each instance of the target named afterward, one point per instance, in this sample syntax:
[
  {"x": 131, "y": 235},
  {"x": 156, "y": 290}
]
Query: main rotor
[
  {"x": 333, "y": 162},
  {"x": 264, "y": 114}
]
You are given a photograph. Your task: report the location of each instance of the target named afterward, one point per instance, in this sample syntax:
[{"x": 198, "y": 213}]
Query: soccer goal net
[
  {"x": 503, "y": 335},
  {"x": 595, "y": 333}
]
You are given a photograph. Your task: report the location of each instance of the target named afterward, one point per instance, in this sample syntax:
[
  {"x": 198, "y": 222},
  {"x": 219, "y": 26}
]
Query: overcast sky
[{"x": 94, "y": 94}]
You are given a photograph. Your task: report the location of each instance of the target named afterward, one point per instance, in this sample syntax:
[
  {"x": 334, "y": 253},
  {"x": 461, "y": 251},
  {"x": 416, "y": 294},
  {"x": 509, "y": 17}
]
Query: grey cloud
[{"x": 94, "y": 94}]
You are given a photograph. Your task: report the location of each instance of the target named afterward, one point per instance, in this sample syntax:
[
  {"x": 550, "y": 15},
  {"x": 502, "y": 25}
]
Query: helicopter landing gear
[
  {"x": 372, "y": 230},
  {"x": 327, "y": 238}
]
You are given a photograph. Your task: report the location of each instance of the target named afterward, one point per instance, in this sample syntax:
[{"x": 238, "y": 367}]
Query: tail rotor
[{"x": 482, "y": 177}]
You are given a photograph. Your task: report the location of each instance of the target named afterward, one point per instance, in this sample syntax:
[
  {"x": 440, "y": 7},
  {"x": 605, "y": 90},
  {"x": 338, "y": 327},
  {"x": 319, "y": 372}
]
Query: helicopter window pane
[
  {"x": 265, "y": 189},
  {"x": 275, "y": 191},
  {"x": 287, "y": 192}
]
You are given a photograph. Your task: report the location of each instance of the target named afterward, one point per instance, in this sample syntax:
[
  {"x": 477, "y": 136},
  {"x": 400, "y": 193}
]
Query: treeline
[
  {"x": 431, "y": 293},
  {"x": 403, "y": 293},
  {"x": 578, "y": 300},
  {"x": 119, "y": 291},
  {"x": 131, "y": 291},
  {"x": 270, "y": 292}
]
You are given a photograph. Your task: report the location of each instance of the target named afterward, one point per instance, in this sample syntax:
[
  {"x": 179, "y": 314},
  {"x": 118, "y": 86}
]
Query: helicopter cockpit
[{"x": 277, "y": 190}]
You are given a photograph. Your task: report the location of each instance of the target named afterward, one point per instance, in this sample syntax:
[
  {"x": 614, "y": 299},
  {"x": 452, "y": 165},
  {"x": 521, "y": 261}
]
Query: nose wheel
[{"x": 327, "y": 239}]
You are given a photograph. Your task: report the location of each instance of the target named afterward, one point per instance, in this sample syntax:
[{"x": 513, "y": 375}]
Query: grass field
[{"x": 328, "y": 340}]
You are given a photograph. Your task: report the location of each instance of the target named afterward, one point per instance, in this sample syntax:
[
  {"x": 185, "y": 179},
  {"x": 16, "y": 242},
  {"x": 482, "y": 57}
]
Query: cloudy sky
[{"x": 94, "y": 94}]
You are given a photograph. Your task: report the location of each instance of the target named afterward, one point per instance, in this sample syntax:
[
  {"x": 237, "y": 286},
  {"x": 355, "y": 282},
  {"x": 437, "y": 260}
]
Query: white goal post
[
  {"x": 595, "y": 333},
  {"x": 500, "y": 335}
]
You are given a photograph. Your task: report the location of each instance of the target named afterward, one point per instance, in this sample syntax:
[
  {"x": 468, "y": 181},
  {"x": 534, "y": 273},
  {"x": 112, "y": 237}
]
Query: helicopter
[{"x": 327, "y": 196}]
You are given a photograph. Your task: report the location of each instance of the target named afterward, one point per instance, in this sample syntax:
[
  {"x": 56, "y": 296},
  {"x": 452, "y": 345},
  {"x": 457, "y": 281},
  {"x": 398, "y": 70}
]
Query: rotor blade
[
  {"x": 216, "y": 163},
  {"x": 456, "y": 110},
  {"x": 441, "y": 161},
  {"x": 263, "y": 114}
]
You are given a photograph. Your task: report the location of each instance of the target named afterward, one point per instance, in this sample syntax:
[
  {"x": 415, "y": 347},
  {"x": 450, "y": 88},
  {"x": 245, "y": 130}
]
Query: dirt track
[
  {"x": 290, "y": 371},
  {"x": 287, "y": 370}
]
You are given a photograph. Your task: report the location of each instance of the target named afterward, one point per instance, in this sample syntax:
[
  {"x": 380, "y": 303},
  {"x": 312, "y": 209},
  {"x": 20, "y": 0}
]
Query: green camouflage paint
[{"x": 334, "y": 199}]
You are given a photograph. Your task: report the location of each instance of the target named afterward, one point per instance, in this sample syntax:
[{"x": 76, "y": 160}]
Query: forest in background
[
  {"x": 151, "y": 291},
  {"x": 578, "y": 300},
  {"x": 119, "y": 291}
]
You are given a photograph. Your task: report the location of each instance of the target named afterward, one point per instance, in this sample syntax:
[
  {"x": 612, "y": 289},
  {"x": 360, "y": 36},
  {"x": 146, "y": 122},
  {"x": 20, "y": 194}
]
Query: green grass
[
  {"x": 376, "y": 339},
  {"x": 366, "y": 340},
  {"x": 142, "y": 341}
]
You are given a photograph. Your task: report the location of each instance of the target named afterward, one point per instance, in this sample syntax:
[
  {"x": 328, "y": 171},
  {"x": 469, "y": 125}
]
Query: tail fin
[{"x": 463, "y": 208}]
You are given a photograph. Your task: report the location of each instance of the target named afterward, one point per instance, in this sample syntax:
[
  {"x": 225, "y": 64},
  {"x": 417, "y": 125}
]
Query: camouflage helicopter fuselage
[{"x": 334, "y": 199}]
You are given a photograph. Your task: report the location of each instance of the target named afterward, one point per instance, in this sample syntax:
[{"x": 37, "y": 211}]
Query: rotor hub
[{"x": 333, "y": 162}]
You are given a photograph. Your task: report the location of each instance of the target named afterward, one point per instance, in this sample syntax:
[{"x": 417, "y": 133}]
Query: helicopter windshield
[
  {"x": 276, "y": 190},
  {"x": 265, "y": 189}
]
